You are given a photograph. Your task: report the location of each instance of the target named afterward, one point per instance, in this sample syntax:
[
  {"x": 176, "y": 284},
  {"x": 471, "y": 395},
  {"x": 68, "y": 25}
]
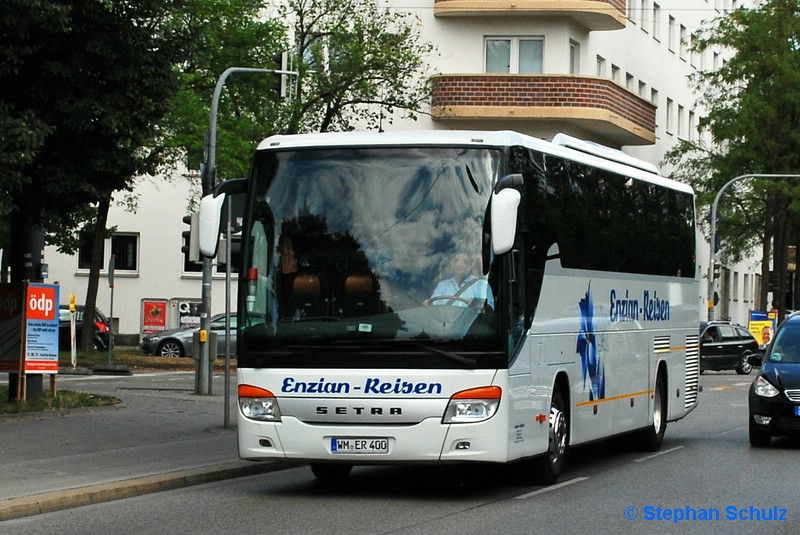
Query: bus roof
[{"x": 563, "y": 146}]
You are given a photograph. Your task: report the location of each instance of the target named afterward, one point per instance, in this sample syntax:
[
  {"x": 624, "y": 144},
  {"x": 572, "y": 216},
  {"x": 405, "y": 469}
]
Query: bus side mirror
[
  {"x": 210, "y": 214},
  {"x": 209, "y": 219},
  {"x": 504, "y": 219}
]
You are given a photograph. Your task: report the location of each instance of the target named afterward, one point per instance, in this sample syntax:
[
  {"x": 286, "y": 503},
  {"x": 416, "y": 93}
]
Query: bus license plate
[
  {"x": 360, "y": 445},
  {"x": 797, "y": 410}
]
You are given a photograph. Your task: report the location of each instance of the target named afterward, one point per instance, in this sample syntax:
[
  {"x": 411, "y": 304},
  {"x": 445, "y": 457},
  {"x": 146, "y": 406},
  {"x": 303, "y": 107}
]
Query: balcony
[
  {"x": 597, "y": 105},
  {"x": 592, "y": 14}
]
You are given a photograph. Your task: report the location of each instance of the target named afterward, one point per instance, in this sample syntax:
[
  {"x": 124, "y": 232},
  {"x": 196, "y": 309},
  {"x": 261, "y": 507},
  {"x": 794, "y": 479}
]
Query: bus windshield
[{"x": 361, "y": 248}]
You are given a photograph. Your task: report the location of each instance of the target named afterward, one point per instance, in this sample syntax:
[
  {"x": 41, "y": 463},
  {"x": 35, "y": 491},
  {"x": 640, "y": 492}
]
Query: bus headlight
[
  {"x": 258, "y": 404},
  {"x": 473, "y": 405}
]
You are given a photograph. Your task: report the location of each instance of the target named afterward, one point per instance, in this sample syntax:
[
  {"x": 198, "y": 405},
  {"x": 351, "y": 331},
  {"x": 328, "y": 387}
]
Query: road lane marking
[
  {"x": 734, "y": 430},
  {"x": 550, "y": 488},
  {"x": 660, "y": 453}
]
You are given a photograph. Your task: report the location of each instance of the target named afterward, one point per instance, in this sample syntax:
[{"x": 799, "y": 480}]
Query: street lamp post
[
  {"x": 208, "y": 178},
  {"x": 713, "y": 255}
]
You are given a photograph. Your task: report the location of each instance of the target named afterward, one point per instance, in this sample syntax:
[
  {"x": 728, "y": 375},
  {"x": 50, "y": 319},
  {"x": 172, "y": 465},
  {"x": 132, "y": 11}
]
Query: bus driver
[{"x": 464, "y": 288}]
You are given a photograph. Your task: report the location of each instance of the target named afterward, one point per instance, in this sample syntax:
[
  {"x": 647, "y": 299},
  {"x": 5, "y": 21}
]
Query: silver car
[{"x": 179, "y": 342}]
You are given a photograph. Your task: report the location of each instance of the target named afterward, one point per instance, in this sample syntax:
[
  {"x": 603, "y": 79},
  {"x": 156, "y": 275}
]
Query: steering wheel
[{"x": 448, "y": 298}]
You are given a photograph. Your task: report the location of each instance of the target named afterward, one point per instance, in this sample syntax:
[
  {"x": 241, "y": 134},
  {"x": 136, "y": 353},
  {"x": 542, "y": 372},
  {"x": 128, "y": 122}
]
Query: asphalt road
[{"x": 705, "y": 479}]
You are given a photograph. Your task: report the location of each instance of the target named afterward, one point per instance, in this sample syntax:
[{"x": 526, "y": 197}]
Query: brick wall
[{"x": 540, "y": 91}]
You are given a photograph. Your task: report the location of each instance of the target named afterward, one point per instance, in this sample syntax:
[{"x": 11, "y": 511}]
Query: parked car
[
  {"x": 102, "y": 328},
  {"x": 179, "y": 342},
  {"x": 774, "y": 399},
  {"x": 725, "y": 346}
]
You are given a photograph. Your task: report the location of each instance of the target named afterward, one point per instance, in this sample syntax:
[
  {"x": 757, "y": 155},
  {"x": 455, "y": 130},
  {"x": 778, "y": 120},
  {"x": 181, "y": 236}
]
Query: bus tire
[
  {"x": 650, "y": 439},
  {"x": 546, "y": 468},
  {"x": 331, "y": 471}
]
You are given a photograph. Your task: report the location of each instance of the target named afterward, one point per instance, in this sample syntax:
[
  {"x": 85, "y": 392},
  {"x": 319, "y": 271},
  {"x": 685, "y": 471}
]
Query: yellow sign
[{"x": 762, "y": 326}]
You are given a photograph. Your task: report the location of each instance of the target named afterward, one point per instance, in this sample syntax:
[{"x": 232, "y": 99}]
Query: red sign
[
  {"x": 154, "y": 315},
  {"x": 41, "y": 303}
]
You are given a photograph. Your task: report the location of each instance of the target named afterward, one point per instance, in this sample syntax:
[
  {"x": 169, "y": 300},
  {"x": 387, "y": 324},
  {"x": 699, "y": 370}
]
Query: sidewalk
[{"x": 162, "y": 436}]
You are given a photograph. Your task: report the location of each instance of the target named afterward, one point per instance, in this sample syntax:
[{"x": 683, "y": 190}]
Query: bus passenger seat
[
  {"x": 307, "y": 298},
  {"x": 360, "y": 296}
]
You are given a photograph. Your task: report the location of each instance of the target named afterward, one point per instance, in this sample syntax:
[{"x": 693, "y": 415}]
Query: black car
[
  {"x": 102, "y": 328},
  {"x": 725, "y": 346},
  {"x": 774, "y": 398}
]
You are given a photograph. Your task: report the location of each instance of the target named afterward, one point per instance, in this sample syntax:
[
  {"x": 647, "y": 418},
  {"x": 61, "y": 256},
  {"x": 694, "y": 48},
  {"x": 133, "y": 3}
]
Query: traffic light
[
  {"x": 279, "y": 80},
  {"x": 191, "y": 241}
]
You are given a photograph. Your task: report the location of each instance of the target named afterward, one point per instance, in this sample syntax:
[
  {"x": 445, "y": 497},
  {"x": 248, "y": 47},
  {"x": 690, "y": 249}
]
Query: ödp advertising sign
[{"x": 41, "y": 328}]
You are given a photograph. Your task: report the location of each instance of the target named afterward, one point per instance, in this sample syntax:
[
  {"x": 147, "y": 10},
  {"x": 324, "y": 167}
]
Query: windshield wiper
[{"x": 449, "y": 354}]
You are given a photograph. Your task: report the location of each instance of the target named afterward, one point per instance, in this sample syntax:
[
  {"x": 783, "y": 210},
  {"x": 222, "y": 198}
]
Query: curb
[{"x": 58, "y": 500}]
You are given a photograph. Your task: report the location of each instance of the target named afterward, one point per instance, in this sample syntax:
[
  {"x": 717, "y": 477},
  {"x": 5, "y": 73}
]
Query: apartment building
[{"x": 610, "y": 71}]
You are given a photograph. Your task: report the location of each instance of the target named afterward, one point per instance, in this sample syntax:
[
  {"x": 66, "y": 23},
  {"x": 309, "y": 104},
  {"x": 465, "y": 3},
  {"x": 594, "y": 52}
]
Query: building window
[
  {"x": 124, "y": 247},
  {"x": 671, "y": 34},
  {"x": 125, "y": 250},
  {"x": 684, "y": 42},
  {"x": 668, "y": 125},
  {"x": 692, "y": 126},
  {"x": 747, "y": 285},
  {"x": 642, "y": 89},
  {"x": 681, "y": 113},
  {"x": 643, "y": 10},
  {"x": 601, "y": 66},
  {"x": 656, "y": 22},
  {"x": 615, "y": 73},
  {"x": 511, "y": 55},
  {"x": 574, "y": 57},
  {"x": 629, "y": 81},
  {"x": 531, "y": 55}
]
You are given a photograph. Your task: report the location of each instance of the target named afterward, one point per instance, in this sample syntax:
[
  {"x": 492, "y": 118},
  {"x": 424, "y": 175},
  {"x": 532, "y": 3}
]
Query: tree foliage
[
  {"x": 220, "y": 35},
  {"x": 97, "y": 93},
  {"x": 357, "y": 63},
  {"x": 752, "y": 105},
  {"x": 85, "y": 83}
]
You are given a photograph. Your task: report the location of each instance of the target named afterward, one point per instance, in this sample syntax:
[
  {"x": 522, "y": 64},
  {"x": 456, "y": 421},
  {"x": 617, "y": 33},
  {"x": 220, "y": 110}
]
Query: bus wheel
[
  {"x": 547, "y": 467},
  {"x": 650, "y": 439},
  {"x": 330, "y": 471}
]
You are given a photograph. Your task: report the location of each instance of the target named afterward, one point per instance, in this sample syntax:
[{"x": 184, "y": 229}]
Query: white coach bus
[{"x": 458, "y": 297}]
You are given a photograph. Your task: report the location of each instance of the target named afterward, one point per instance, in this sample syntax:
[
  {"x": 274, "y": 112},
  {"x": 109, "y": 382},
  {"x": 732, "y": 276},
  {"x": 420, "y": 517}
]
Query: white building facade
[{"x": 610, "y": 71}]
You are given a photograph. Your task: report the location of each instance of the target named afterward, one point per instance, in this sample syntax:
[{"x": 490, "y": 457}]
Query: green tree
[
  {"x": 221, "y": 35},
  {"x": 752, "y": 105},
  {"x": 85, "y": 82},
  {"x": 357, "y": 63}
]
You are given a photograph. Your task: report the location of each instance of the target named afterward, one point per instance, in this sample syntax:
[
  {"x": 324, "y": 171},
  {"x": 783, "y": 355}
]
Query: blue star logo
[{"x": 587, "y": 348}]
